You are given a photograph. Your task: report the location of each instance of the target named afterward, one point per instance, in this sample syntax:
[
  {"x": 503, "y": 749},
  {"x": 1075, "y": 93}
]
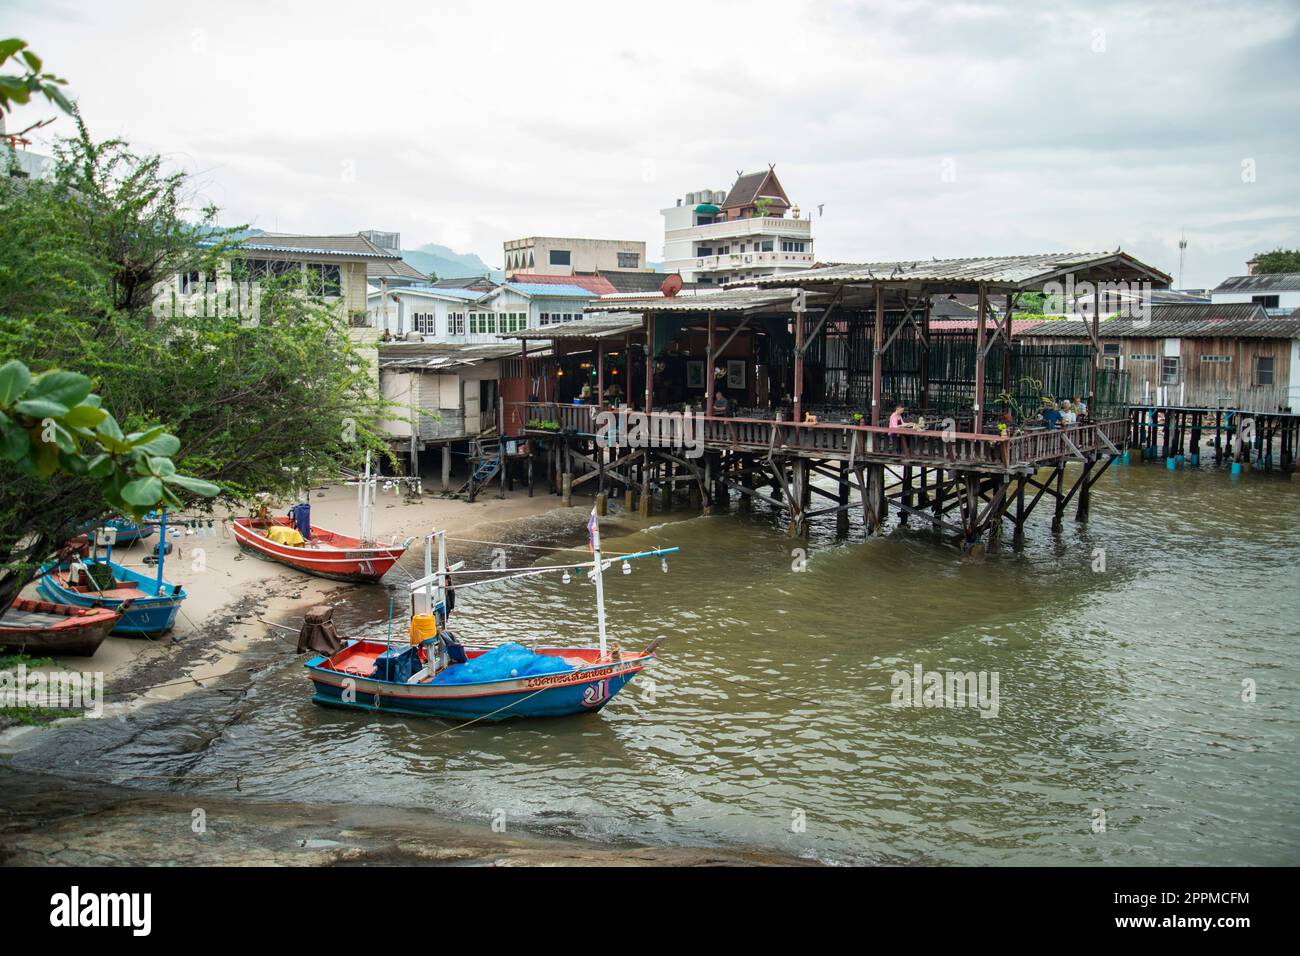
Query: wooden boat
[
  {"x": 326, "y": 553},
  {"x": 39, "y": 628},
  {"x": 438, "y": 677},
  {"x": 149, "y": 604}
]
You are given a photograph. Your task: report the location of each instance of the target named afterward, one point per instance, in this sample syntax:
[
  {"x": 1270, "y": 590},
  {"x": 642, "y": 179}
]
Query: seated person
[
  {"x": 1052, "y": 417},
  {"x": 721, "y": 406}
]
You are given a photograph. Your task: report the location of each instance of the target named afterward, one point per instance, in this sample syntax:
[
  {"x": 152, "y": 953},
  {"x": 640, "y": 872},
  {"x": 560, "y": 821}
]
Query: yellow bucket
[{"x": 423, "y": 627}]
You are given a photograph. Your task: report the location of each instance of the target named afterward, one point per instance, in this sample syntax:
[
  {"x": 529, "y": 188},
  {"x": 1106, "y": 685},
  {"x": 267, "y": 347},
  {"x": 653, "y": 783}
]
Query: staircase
[{"x": 485, "y": 463}]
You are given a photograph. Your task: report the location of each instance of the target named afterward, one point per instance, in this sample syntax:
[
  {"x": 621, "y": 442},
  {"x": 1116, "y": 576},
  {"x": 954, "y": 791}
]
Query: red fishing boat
[
  {"x": 323, "y": 552},
  {"x": 43, "y": 627}
]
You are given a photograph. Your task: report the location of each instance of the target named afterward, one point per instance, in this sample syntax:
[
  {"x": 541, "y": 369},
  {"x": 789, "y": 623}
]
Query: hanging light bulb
[
  {"x": 663, "y": 563},
  {"x": 567, "y": 578},
  {"x": 627, "y": 568}
]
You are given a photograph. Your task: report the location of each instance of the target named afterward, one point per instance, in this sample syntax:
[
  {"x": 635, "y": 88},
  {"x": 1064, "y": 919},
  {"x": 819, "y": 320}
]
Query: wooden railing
[{"x": 837, "y": 440}]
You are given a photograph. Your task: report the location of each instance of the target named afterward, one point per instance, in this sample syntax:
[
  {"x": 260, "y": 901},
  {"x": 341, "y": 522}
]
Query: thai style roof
[
  {"x": 393, "y": 269},
  {"x": 750, "y": 187},
  {"x": 1002, "y": 273},
  {"x": 1266, "y": 282}
]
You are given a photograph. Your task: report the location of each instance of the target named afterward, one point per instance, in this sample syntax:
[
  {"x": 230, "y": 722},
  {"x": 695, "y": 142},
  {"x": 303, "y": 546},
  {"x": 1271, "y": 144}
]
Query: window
[
  {"x": 456, "y": 323},
  {"x": 1267, "y": 301},
  {"x": 629, "y": 260},
  {"x": 323, "y": 279},
  {"x": 1141, "y": 357},
  {"x": 1217, "y": 359},
  {"x": 473, "y": 323},
  {"x": 546, "y": 318},
  {"x": 765, "y": 246},
  {"x": 1169, "y": 370},
  {"x": 1264, "y": 369},
  {"x": 789, "y": 245},
  {"x": 560, "y": 257},
  {"x": 261, "y": 268},
  {"x": 426, "y": 322},
  {"x": 705, "y": 251}
]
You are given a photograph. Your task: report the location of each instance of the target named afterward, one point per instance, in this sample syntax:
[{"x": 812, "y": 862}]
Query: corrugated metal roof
[
  {"x": 592, "y": 283},
  {"x": 1170, "y": 328},
  {"x": 542, "y": 290},
  {"x": 596, "y": 327},
  {"x": 349, "y": 246},
  {"x": 430, "y": 292},
  {"x": 1267, "y": 282},
  {"x": 698, "y": 300},
  {"x": 430, "y": 356},
  {"x": 1018, "y": 272}
]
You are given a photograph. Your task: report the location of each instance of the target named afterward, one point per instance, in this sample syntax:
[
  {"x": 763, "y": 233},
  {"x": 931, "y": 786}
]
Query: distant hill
[{"x": 433, "y": 259}]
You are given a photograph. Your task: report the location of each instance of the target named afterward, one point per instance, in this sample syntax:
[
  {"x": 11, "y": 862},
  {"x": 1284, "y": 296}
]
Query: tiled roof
[
  {"x": 1001, "y": 272},
  {"x": 748, "y": 186},
  {"x": 639, "y": 281},
  {"x": 592, "y": 283},
  {"x": 393, "y": 269},
  {"x": 1267, "y": 282}
]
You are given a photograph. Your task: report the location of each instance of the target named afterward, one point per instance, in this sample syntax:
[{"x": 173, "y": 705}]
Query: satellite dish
[{"x": 671, "y": 286}]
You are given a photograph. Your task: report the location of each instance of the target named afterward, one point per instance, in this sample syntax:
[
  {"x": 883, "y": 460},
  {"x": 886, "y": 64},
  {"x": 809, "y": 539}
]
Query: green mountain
[{"x": 433, "y": 259}]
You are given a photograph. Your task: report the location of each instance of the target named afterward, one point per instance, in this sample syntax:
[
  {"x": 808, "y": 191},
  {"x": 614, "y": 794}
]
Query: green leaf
[
  {"x": 14, "y": 443},
  {"x": 162, "y": 467},
  {"x": 33, "y": 61},
  {"x": 84, "y": 416},
  {"x": 14, "y": 379},
  {"x": 41, "y": 408},
  {"x": 101, "y": 466},
  {"x": 66, "y": 388},
  {"x": 164, "y": 445},
  {"x": 143, "y": 492},
  {"x": 140, "y": 439},
  {"x": 11, "y": 46},
  {"x": 196, "y": 485}
]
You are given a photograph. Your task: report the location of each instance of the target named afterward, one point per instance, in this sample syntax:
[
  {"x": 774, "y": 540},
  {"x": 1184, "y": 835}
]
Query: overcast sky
[{"x": 924, "y": 129}]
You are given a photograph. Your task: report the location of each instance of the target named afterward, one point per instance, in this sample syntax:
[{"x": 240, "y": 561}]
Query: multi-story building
[
  {"x": 553, "y": 256},
  {"x": 1278, "y": 293},
  {"x": 753, "y": 230},
  {"x": 471, "y": 317}
]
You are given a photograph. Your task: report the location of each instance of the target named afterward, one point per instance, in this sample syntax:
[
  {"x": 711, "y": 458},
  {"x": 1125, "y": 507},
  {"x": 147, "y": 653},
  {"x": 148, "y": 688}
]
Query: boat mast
[
  {"x": 598, "y": 576},
  {"x": 364, "y": 504},
  {"x": 162, "y": 548}
]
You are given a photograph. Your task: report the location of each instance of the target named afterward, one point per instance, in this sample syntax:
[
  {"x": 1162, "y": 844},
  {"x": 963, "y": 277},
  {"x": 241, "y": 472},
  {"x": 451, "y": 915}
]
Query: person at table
[
  {"x": 1080, "y": 407},
  {"x": 1006, "y": 421},
  {"x": 721, "y": 406},
  {"x": 1052, "y": 416},
  {"x": 586, "y": 393},
  {"x": 1069, "y": 415},
  {"x": 896, "y": 419}
]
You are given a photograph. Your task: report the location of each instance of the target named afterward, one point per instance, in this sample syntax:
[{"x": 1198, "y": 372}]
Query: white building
[
  {"x": 468, "y": 316},
  {"x": 1278, "y": 293},
  {"x": 752, "y": 231}
]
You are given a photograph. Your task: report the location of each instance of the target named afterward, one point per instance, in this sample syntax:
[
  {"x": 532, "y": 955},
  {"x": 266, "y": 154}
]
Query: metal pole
[
  {"x": 979, "y": 359},
  {"x": 162, "y": 548},
  {"x": 877, "y": 358},
  {"x": 599, "y": 577}
]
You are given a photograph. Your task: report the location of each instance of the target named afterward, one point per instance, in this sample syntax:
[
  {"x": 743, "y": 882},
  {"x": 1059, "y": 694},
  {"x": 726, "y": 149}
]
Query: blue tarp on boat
[{"x": 502, "y": 663}]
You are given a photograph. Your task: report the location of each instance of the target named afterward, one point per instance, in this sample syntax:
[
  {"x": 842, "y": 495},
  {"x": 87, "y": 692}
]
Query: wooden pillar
[
  {"x": 877, "y": 356},
  {"x": 842, "y": 499},
  {"x": 446, "y": 467},
  {"x": 980, "y": 321},
  {"x": 1006, "y": 356},
  {"x": 1096, "y": 346},
  {"x": 798, "y": 364},
  {"x": 925, "y": 353},
  {"x": 649, "y": 362},
  {"x": 708, "y": 371},
  {"x": 600, "y": 374}
]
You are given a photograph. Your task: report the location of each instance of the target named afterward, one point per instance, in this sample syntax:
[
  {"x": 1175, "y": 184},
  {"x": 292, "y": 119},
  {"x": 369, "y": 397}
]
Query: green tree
[
  {"x": 86, "y": 264},
  {"x": 1279, "y": 260}
]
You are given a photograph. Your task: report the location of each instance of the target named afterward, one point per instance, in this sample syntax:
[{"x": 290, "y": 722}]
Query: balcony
[
  {"x": 740, "y": 228},
  {"x": 748, "y": 260}
]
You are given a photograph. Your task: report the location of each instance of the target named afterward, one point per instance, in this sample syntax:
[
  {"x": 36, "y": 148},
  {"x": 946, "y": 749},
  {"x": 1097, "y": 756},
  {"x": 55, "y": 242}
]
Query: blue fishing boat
[
  {"x": 149, "y": 604},
  {"x": 433, "y": 675},
  {"x": 125, "y": 530}
]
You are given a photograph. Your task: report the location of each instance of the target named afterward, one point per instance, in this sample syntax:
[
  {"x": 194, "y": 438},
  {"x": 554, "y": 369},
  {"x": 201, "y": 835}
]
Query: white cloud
[{"x": 467, "y": 124}]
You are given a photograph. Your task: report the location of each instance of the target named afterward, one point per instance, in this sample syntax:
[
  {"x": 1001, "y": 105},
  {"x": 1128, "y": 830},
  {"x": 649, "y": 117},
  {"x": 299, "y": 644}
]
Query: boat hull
[
  {"x": 71, "y": 631},
  {"x": 142, "y": 616},
  {"x": 583, "y": 691},
  {"x": 342, "y": 560}
]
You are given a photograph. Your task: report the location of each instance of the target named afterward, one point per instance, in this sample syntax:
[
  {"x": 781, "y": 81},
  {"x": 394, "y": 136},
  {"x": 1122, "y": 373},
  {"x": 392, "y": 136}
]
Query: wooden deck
[{"x": 861, "y": 444}]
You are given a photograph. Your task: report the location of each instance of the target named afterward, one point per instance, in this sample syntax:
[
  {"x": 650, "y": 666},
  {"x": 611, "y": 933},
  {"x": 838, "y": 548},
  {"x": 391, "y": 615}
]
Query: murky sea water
[{"x": 768, "y": 719}]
